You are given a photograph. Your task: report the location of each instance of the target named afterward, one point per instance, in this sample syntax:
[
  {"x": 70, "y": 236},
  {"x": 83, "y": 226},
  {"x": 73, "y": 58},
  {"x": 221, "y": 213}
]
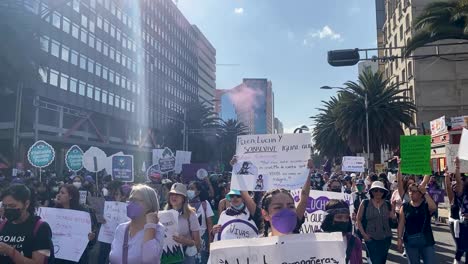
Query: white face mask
[
  {"x": 77, "y": 184},
  {"x": 190, "y": 194},
  {"x": 105, "y": 192}
]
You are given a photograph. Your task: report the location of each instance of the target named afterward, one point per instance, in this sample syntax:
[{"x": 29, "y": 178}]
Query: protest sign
[
  {"x": 436, "y": 194},
  {"x": 94, "y": 159},
  {"x": 41, "y": 154},
  {"x": 172, "y": 251},
  {"x": 273, "y": 161},
  {"x": 353, "y": 164},
  {"x": 438, "y": 126},
  {"x": 74, "y": 158},
  {"x": 115, "y": 213},
  {"x": 83, "y": 195},
  {"x": 157, "y": 154},
  {"x": 97, "y": 204},
  {"x": 299, "y": 248},
  {"x": 189, "y": 171},
  {"x": 70, "y": 229},
  {"x": 451, "y": 152},
  {"x": 463, "y": 147},
  {"x": 235, "y": 228},
  {"x": 315, "y": 210},
  {"x": 415, "y": 155},
  {"x": 182, "y": 157},
  {"x": 122, "y": 168},
  {"x": 458, "y": 122},
  {"x": 379, "y": 168},
  {"x": 167, "y": 161},
  {"x": 154, "y": 174}
]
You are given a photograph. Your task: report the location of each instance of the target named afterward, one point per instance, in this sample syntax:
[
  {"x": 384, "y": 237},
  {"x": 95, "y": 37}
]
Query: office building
[
  {"x": 437, "y": 84},
  {"x": 206, "y": 68},
  {"x": 373, "y": 66},
  {"x": 119, "y": 72},
  {"x": 279, "y": 129}
]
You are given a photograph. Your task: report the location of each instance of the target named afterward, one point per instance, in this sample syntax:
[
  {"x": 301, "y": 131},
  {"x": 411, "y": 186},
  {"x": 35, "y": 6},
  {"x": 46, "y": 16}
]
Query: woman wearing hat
[
  {"x": 373, "y": 221},
  {"x": 414, "y": 228},
  {"x": 189, "y": 228}
]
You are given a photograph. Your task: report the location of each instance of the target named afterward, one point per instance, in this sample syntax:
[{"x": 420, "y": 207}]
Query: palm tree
[
  {"x": 440, "y": 20},
  {"x": 21, "y": 57},
  {"x": 327, "y": 138},
  {"x": 388, "y": 109},
  {"x": 230, "y": 129}
]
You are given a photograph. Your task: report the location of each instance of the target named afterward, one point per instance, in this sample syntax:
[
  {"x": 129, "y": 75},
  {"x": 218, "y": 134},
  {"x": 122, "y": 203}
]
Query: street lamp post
[
  {"x": 300, "y": 129},
  {"x": 366, "y": 103}
]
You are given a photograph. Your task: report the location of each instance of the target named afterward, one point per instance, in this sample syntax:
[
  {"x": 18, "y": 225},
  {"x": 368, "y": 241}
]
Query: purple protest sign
[
  {"x": 189, "y": 171},
  {"x": 437, "y": 195}
]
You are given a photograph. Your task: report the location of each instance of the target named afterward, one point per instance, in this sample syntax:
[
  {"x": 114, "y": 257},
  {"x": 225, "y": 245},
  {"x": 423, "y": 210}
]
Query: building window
[
  {"x": 111, "y": 99},
  {"x": 118, "y": 35},
  {"x": 92, "y": 3},
  {"x": 53, "y": 80},
  {"x": 84, "y": 36},
  {"x": 98, "y": 69},
  {"x": 74, "y": 58},
  {"x": 76, "y": 5},
  {"x": 104, "y": 97},
  {"x": 112, "y": 31},
  {"x": 91, "y": 41},
  {"x": 75, "y": 31},
  {"x": 124, "y": 82},
  {"x": 90, "y": 66},
  {"x": 106, "y": 26},
  {"x": 99, "y": 22},
  {"x": 91, "y": 26},
  {"x": 63, "y": 81},
  {"x": 65, "y": 53},
  {"x": 43, "y": 74},
  {"x": 117, "y": 57},
  {"x": 112, "y": 53},
  {"x": 56, "y": 20},
  {"x": 128, "y": 106},
  {"x": 89, "y": 92},
  {"x": 410, "y": 69},
  {"x": 117, "y": 79},
  {"x": 105, "y": 49},
  {"x": 45, "y": 43},
  {"x": 403, "y": 75},
  {"x": 84, "y": 21},
  {"x": 122, "y": 103},
  {"x": 66, "y": 25},
  {"x": 117, "y": 101},
  {"x": 401, "y": 32},
  {"x": 111, "y": 76},
  {"x": 97, "y": 94},
  {"x": 73, "y": 84},
  {"x": 55, "y": 48},
  {"x": 99, "y": 45},
  {"x": 104, "y": 73},
  {"x": 82, "y": 88},
  {"x": 82, "y": 62}
]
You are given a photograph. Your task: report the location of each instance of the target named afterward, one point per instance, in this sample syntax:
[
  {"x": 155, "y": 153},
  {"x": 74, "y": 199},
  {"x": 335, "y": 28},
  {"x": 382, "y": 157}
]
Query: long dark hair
[
  {"x": 204, "y": 196},
  {"x": 266, "y": 201},
  {"x": 74, "y": 195},
  {"x": 328, "y": 221},
  {"x": 21, "y": 193}
]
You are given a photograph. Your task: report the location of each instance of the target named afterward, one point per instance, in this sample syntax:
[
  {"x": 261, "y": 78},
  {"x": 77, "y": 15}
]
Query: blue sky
[{"x": 285, "y": 41}]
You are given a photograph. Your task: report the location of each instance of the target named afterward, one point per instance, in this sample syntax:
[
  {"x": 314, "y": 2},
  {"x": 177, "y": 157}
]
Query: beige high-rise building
[{"x": 437, "y": 85}]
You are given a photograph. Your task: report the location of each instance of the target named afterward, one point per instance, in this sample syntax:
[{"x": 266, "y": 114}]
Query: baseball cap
[
  {"x": 232, "y": 192},
  {"x": 179, "y": 188}
]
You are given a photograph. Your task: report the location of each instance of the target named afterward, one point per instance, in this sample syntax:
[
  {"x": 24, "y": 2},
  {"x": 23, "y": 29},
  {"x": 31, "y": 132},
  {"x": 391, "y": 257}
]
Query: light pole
[{"x": 366, "y": 103}]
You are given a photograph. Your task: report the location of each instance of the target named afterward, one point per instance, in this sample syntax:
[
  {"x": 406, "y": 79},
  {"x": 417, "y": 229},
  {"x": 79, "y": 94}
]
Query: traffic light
[{"x": 347, "y": 57}]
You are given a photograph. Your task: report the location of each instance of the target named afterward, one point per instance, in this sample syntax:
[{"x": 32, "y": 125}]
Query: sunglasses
[
  {"x": 235, "y": 196},
  {"x": 378, "y": 190}
]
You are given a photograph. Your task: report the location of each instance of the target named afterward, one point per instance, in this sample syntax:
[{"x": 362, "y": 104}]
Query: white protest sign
[
  {"x": 83, "y": 195},
  {"x": 182, "y": 157},
  {"x": 94, "y": 159},
  {"x": 172, "y": 251},
  {"x": 235, "y": 228},
  {"x": 273, "y": 161},
  {"x": 315, "y": 209},
  {"x": 115, "y": 213},
  {"x": 299, "y": 248},
  {"x": 463, "y": 147},
  {"x": 157, "y": 154},
  {"x": 451, "y": 152},
  {"x": 70, "y": 229},
  {"x": 353, "y": 164}
]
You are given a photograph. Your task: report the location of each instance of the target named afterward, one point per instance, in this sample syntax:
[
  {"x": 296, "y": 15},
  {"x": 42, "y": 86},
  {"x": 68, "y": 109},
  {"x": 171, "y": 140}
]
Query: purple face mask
[
  {"x": 284, "y": 221},
  {"x": 134, "y": 210}
]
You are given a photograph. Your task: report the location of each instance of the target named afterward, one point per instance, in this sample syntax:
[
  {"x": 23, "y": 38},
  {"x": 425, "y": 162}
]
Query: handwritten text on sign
[
  {"x": 267, "y": 162},
  {"x": 451, "y": 151},
  {"x": 172, "y": 251},
  {"x": 115, "y": 213},
  {"x": 353, "y": 164},
  {"x": 415, "y": 155},
  {"x": 70, "y": 229},
  {"x": 300, "y": 248},
  {"x": 315, "y": 209}
]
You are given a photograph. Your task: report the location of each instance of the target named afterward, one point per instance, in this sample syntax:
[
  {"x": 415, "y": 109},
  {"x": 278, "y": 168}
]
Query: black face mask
[
  {"x": 12, "y": 214},
  {"x": 338, "y": 190},
  {"x": 341, "y": 227}
]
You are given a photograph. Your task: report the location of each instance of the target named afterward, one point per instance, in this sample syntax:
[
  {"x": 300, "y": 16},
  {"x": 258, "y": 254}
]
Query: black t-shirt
[
  {"x": 20, "y": 236},
  {"x": 418, "y": 219}
]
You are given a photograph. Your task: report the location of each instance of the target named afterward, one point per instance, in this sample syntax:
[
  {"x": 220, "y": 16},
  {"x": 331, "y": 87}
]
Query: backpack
[{"x": 37, "y": 225}]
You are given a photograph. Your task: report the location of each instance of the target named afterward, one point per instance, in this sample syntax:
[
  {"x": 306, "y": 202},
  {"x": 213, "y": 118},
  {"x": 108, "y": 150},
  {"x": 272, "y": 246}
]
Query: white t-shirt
[{"x": 201, "y": 214}]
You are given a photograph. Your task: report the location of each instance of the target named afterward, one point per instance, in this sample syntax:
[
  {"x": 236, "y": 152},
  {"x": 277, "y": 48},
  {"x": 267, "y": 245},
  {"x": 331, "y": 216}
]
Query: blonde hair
[
  {"x": 187, "y": 210},
  {"x": 149, "y": 195}
]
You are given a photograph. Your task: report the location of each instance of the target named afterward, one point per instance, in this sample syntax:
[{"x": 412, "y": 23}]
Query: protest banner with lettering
[
  {"x": 74, "y": 158},
  {"x": 299, "y": 248},
  {"x": 415, "y": 155},
  {"x": 154, "y": 174},
  {"x": 167, "y": 161},
  {"x": 115, "y": 213},
  {"x": 189, "y": 171},
  {"x": 233, "y": 227},
  {"x": 353, "y": 164},
  {"x": 41, "y": 154},
  {"x": 182, "y": 157},
  {"x": 83, "y": 195},
  {"x": 156, "y": 155},
  {"x": 458, "y": 122},
  {"x": 97, "y": 204},
  {"x": 122, "y": 168},
  {"x": 172, "y": 251},
  {"x": 438, "y": 126},
  {"x": 315, "y": 210},
  {"x": 70, "y": 229},
  {"x": 273, "y": 161},
  {"x": 436, "y": 194},
  {"x": 451, "y": 152},
  {"x": 463, "y": 147}
]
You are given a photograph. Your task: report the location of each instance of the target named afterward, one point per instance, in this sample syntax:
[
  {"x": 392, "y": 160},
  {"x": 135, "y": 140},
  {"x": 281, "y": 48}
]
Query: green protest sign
[{"x": 415, "y": 155}]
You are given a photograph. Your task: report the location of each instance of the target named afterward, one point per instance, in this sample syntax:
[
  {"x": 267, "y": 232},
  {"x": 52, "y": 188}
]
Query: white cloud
[
  {"x": 239, "y": 10},
  {"x": 325, "y": 33}
]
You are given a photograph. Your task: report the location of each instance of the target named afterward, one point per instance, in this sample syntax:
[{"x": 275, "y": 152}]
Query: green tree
[
  {"x": 328, "y": 140},
  {"x": 21, "y": 57},
  {"x": 230, "y": 129},
  {"x": 438, "y": 21},
  {"x": 388, "y": 109}
]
